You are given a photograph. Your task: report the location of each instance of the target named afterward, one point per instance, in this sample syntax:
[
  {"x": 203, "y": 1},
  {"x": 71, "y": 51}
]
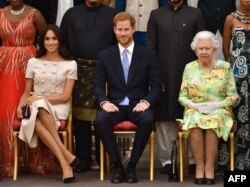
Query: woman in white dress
[{"x": 50, "y": 78}]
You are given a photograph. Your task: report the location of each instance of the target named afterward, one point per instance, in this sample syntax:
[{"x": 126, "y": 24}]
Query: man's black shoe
[
  {"x": 118, "y": 175},
  {"x": 130, "y": 176},
  {"x": 82, "y": 167},
  {"x": 165, "y": 169}
]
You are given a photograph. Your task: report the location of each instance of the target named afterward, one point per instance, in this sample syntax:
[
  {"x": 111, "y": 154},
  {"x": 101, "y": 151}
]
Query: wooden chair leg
[
  {"x": 231, "y": 149},
  {"x": 151, "y": 148},
  {"x": 101, "y": 161},
  {"x": 107, "y": 163},
  {"x": 102, "y": 152},
  {"x": 180, "y": 139},
  {"x": 129, "y": 144},
  {"x": 15, "y": 156},
  {"x": 124, "y": 146},
  {"x": 185, "y": 154}
]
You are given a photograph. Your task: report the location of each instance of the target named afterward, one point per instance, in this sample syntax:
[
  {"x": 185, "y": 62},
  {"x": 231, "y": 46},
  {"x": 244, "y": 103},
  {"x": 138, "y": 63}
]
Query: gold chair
[
  {"x": 125, "y": 129},
  {"x": 65, "y": 130},
  {"x": 183, "y": 145}
]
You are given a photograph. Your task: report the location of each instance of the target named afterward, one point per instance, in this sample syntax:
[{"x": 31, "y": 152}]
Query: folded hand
[
  {"x": 206, "y": 107},
  {"x": 109, "y": 107},
  {"x": 209, "y": 107},
  {"x": 140, "y": 107}
]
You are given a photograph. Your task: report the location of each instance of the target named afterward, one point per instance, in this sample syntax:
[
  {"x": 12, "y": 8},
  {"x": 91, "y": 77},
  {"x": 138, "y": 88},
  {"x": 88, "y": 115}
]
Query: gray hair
[{"x": 204, "y": 35}]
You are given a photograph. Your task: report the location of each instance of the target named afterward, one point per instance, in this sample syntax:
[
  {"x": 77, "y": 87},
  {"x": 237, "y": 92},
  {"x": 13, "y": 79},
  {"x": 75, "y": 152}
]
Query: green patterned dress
[{"x": 201, "y": 85}]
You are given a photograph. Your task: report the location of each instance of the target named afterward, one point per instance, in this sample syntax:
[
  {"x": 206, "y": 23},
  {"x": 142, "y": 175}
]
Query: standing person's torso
[
  {"x": 215, "y": 12},
  {"x": 48, "y": 8},
  {"x": 88, "y": 30},
  {"x": 15, "y": 32},
  {"x": 170, "y": 35},
  {"x": 141, "y": 9},
  {"x": 175, "y": 31},
  {"x": 3, "y": 3},
  {"x": 240, "y": 55}
]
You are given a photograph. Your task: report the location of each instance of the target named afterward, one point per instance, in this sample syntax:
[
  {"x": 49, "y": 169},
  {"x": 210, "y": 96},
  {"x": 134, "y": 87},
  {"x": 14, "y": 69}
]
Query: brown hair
[
  {"x": 62, "y": 46},
  {"x": 123, "y": 16}
]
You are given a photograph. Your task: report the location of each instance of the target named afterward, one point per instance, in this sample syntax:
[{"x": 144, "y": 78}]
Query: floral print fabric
[{"x": 201, "y": 85}]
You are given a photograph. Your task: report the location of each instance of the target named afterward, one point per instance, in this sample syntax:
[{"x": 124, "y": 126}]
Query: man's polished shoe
[
  {"x": 118, "y": 175},
  {"x": 165, "y": 169},
  {"x": 130, "y": 176}
]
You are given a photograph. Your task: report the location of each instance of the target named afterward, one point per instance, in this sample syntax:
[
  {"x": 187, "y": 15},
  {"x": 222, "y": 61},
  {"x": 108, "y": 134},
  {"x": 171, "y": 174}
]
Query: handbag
[
  {"x": 173, "y": 174},
  {"x": 26, "y": 112}
]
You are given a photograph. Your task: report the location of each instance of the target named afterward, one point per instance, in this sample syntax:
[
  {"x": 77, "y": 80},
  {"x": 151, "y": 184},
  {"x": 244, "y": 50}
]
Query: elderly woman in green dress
[{"x": 208, "y": 93}]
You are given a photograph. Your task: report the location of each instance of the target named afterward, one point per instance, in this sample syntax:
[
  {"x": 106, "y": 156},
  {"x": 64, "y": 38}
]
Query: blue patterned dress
[{"x": 240, "y": 61}]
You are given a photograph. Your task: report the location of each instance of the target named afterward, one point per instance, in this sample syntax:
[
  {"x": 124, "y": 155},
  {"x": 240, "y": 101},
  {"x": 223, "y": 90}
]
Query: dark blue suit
[{"x": 143, "y": 73}]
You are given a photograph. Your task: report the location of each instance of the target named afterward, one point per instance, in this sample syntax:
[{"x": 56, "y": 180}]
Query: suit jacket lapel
[{"x": 134, "y": 64}]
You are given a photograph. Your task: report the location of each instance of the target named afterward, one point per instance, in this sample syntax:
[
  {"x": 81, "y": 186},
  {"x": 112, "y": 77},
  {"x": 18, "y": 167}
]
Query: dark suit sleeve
[
  {"x": 66, "y": 26},
  {"x": 154, "y": 81},
  {"x": 152, "y": 32},
  {"x": 100, "y": 80},
  {"x": 200, "y": 24}
]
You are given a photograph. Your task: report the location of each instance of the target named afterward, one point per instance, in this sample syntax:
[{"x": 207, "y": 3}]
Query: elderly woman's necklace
[{"x": 17, "y": 12}]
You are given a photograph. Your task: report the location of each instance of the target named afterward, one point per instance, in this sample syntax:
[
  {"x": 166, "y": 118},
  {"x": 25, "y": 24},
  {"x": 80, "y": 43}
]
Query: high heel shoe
[
  {"x": 209, "y": 181},
  {"x": 199, "y": 181},
  {"x": 69, "y": 180},
  {"x": 75, "y": 163}
]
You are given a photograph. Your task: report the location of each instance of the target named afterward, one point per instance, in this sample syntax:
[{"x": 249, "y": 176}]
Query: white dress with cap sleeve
[{"x": 49, "y": 78}]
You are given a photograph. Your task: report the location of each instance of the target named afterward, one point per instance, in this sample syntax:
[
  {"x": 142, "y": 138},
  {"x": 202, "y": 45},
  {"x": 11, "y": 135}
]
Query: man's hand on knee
[
  {"x": 109, "y": 107},
  {"x": 141, "y": 107}
]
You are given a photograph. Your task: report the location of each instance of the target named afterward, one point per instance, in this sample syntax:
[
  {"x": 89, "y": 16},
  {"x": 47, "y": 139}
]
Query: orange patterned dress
[
  {"x": 17, "y": 47},
  {"x": 18, "y": 38}
]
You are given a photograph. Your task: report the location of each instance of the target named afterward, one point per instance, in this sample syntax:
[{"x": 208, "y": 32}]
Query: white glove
[
  {"x": 195, "y": 106},
  {"x": 209, "y": 107}
]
